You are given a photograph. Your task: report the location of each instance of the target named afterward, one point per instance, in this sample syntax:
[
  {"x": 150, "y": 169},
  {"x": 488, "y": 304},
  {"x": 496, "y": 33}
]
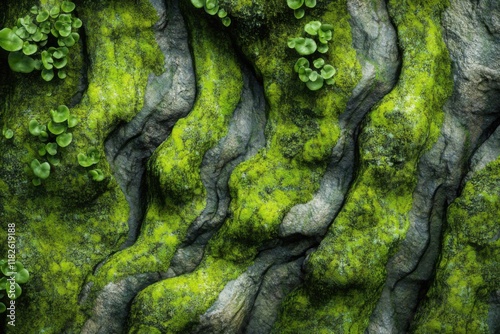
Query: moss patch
[
  {"x": 348, "y": 268},
  {"x": 174, "y": 169},
  {"x": 302, "y": 130},
  {"x": 469, "y": 270},
  {"x": 69, "y": 224}
]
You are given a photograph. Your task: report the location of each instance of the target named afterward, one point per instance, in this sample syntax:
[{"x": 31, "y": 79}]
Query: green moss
[
  {"x": 175, "y": 305},
  {"x": 353, "y": 255},
  {"x": 174, "y": 168},
  {"x": 469, "y": 271},
  {"x": 67, "y": 226},
  {"x": 263, "y": 188}
]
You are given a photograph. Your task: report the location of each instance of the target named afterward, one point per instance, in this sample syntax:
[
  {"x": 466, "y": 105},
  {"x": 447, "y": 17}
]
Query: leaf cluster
[
  {"x": 319, "y": 35},
  {"x": 21, "y": 276},
  {"x": 212, "y": 7},
  {"x": 41, "y": 40},
  {"x": 298, "y": 6},
  {"x": 53, "y": 136}
]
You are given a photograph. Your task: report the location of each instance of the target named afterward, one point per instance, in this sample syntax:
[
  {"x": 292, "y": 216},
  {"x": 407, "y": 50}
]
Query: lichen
[
  {"x": 347, "y": 271},
  {"x": 468, "y": 271}
]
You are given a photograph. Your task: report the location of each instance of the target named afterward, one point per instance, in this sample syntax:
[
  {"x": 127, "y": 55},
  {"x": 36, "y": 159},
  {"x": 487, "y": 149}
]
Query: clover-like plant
[
  {"x": 20, "y": 276},
  {"x": 313, "y": 79},
  {"x": 212, "y": 8},
  {"x": 298, "y": 6},
  {"x": 97, "y": 174},
  {"x": 307, "y": 46},
  {"x": 40, "y": 40},
  {"x": 92, "y": 157},
  {"x": 54, "y": 135},
  {"x": 41, "y": 171},
  {"x": 7, "y": 133}
]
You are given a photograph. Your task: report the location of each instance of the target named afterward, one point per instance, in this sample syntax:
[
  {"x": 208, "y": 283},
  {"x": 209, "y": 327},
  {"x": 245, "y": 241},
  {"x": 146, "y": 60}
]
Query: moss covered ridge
[
  {"x": 70, "y": 224},
  {"x": 302, "y": 130},
  {"x": 178, "y": 195},
  {"x": 347, "y": 271},
  {"x": 469, "y": 271}
]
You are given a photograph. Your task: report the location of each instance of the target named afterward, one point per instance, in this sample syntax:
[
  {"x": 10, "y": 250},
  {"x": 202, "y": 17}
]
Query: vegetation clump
[
  {"x": 212, "y": 7},
  {"x": 321, "y": 73},
  {"x": 298, "y": 6},
  {"x": 13, "y": 275},
  {"x": 52, "y": 136},
  {"x": 41, "y": 40}
]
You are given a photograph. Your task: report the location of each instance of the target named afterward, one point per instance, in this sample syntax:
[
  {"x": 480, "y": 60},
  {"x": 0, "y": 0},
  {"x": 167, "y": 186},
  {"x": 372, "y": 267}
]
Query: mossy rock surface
[{"x": 258, "y": 202}]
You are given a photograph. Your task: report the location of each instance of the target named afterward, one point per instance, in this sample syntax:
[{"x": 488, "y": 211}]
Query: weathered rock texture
[{"x": 235, "y": 199}]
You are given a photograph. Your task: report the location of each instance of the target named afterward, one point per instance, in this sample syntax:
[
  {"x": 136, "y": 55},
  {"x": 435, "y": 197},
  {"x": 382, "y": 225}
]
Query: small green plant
[
  {"x": 212, "y": 8},
  {"x": 52, "y": 140},
  {"x": 92, "y": 157},
  {"x": 7, "y": 133},
  {"x": 314, "y": 78},
  {"x": 41, "y": 40},
  {"x": 13, "y": 275},
  {"x": 298, "y": 6}
]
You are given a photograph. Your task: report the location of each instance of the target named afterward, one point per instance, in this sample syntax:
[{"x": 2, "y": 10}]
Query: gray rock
[
  {"x": 169, "y": 97},
  {"x": 375, "y": 41},
  {"x": 109, "y": 315},
  {"x": 470, "y": 116}
]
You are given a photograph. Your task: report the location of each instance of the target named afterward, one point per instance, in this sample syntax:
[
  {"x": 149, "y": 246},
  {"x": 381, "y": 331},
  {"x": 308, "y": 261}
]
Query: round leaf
[
  {"x": 211, "y": 4},
  {"x": 72, "y": 121},
  {"x": 22, "y": 276},
  {"x": 310, "y": 3},
  {"x": 226, "y": 21},
  {"x": 42, "y": 16},
  {"x": 83, "y": 160},
  {"x": 60, "y": 63},
  {"x": 3, "y": 308},
  {"x": 19, "y": 62},
  {"x": 54, "y": 11},
  {"x": 29, "y": 49},
  {"x": 40, "y": 170},
  {"x": 8, "y": 133},
  {"x": 312, "y": 27},
  {"x": 67, "y": 6},
  {"x": 34, "y": 10},
  {"x": 212, "y": 11},
  {"x": 61, "y": 74},
  {"x": 9, "y": 41},
  {"x": 222, "y": 13},
  {"x": 326, "y": 27},
  {"x": 56, "y": 128},
  {"x": 77, "y": 23},
  {"x": 315, "y": 85},
  {"x": 51, "y": 148},
  {"x": 301, "y": 62},
  {"x": 318, "y": 63},
  {"x": 47, "y": 75},
  {"x": 36, "y": 181},
  {"x": 64, "y": 139},
  {"x": 305, "y": 46},
  {"x": 299, "y": 13},
  {"x": 97, "y": 175},
  {"x": 328, "y": 71},
  {"x": 313, "y": 76},
  {"x": 35, "y": 128},
  {"x": 323, "y": 48},
  {"x": 294, "y": 4},
  {"x": 198, "y": 3}
]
